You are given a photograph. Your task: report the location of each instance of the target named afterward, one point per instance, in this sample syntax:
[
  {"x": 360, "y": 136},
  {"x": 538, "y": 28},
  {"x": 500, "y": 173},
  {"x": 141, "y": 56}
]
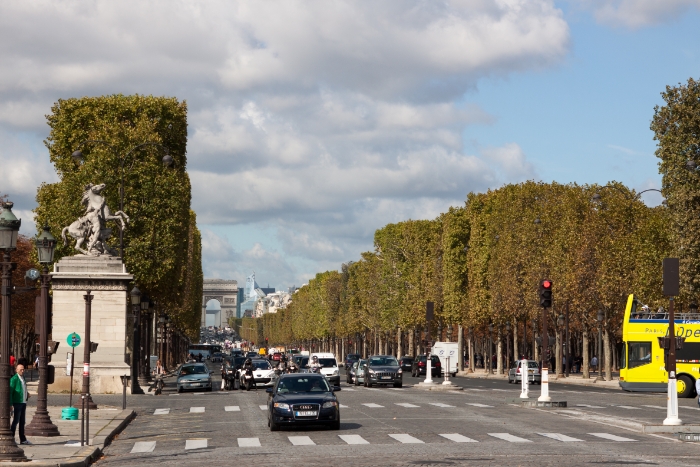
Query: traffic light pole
[
  {"x": 544, "y": 396},
  {"x": 672, "y": 406}
]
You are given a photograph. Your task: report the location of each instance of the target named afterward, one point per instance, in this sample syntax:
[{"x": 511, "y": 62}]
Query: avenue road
[{"x": 392, "y": 427}]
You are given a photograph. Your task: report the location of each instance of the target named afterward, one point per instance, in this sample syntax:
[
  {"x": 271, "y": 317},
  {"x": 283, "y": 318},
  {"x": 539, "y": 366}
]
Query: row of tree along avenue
[
  {"x": 136, "y": 144},
  {"x": 481, "y": 265}
]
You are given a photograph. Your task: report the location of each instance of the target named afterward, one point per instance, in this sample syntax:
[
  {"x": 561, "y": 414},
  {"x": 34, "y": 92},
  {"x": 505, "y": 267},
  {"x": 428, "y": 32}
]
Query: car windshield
[
  {"x": 261, "y": 364},
  {"x": 383, "y": 361},
  {"x": 327, "y": 362},
  {"x": 193, "y": 370},
  {"x": 299, "y": 384}
]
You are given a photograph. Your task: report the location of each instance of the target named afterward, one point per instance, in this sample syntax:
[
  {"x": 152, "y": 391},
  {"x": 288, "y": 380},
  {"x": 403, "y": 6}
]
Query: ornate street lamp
[
  {"x": 41, "y": 424},
  {"x": 9, "y": 229},
  {"x": 136, "y": 352}
]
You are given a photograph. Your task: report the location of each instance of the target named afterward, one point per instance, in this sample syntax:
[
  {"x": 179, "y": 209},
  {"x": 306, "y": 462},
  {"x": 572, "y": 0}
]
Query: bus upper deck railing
[{"x": 664, "y": 316}]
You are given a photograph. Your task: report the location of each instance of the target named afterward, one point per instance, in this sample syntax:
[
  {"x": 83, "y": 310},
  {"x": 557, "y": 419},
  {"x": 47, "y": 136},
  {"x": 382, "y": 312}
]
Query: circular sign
[{"x": 73, "y": 340}]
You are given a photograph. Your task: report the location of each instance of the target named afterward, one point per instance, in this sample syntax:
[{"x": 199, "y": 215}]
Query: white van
[
  {"x": 329, "y": 367},
  {"x": 447, "y": 349}
]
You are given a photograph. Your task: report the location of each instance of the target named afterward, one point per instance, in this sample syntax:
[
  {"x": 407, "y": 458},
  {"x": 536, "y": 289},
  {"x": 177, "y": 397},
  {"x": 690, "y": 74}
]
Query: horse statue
[{"x": 92, "y": 226}]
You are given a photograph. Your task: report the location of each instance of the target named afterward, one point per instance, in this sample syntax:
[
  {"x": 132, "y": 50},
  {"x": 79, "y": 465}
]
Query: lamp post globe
[
  {"x": 9, "y": 227},
  {"x": 168, "y": 160},
  {"x": 691, "y": 165},
  {"x": 78, "y": 156},
  {"x": 45, "y": 246}
]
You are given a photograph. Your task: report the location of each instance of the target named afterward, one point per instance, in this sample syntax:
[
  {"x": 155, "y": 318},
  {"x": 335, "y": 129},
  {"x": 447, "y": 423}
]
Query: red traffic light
[{"x": 546, "y": 284}]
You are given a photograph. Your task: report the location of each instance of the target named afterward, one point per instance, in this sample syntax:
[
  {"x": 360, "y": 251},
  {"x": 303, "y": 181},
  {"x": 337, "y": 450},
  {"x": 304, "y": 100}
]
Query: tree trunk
[
  {"x": 499, "y": 353},
  {"x": 412, "y": 343},
  {"x": 558, "y": 358},
  {"x": 516, "y": 354},
  {"x": 460, "y": 348},
  {"x": 470, "y": 345},
  {"x": 586, "y": 360},
  {"x": 607, "y": 354}
]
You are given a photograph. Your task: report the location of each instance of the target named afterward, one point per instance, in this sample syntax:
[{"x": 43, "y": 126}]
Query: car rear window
[
  {"x": 193, "y": 370},
  {"x": 327, "y": 362},
  {"x": 261, "y": 364}
]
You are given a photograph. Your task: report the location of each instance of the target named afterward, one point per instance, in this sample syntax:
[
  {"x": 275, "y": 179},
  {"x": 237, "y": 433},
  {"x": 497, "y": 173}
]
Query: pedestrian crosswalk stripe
[
  {"x": 590, "y": 406},
  {"x": 655, "y": 407},
  {"x": 372, "y": 389},
  {"x": 611, "y": 437},
  {"x": 347, "y": 389},
  {"x": 196, "y": 409},
  {"x": 143, "y": 446},
  {"x": 478, "y": 405},
  {"x": 263, "y": 407},
  {"x": 407, "y": 405},
  {"x": 343, "y": 406},
  {"x": 501, "y": 390},
  {"x": 440, "y": 404},
  {"x": 474, "y": 389},
  {"x": 397, "y": 389},
  {"x": 373, "y": 406},
  {"x": 406, "y": 439},
  {"x": 457, "y": 438},
  {"x": 249, "y": 442},
  {"x": 508, "y": 437},
  {"x": 232, "y": 408},
  {"x": 353, "y": 439},
  {"x": 161, "y": 412},
  {"x": 559, "y": 437},
  {"x": 301, "y": 441},
  {"x": 195, "y": 444}
]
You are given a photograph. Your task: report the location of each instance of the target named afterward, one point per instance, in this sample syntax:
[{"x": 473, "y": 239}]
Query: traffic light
[{"x": 546, "y": 293}]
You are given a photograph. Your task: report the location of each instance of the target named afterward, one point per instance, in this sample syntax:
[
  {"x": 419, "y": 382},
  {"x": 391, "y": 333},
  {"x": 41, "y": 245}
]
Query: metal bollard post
[
  {"x": 82, "y": 422},
  {"x": 524, "y": 371},
  {"x": 447, "y": 371},
  {"x": 87, "y": 421},
  {"x": 125, "y": 379}
]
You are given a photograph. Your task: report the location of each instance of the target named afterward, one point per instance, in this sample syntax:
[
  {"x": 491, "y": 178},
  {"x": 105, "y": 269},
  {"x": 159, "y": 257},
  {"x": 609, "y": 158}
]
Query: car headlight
[
  {"x": 399, "y": 372},
  {"x": 329, "y": 404},
  {"x": 281, "y": 406},
  {"x": 371, "y": 372}
]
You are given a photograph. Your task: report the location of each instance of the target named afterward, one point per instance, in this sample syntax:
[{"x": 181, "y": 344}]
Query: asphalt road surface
[{"x": 398, "y": 427}]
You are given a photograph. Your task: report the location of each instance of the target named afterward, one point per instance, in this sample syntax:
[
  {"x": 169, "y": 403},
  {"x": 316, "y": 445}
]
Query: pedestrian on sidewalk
[
  {"x": 18, "y": 398},
  {"x": 594, "y": 363}
]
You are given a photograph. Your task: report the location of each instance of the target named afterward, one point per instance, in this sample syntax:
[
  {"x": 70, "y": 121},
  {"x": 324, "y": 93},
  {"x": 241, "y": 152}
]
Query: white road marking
[
  {"x": 301, "y": 441},
  {"x": 406, "y": 404},
  {"x": 143, "y": 446},
  {"x": 508, "y": 437},
  {"x": 396, "y": 389},
  {"x": 590, "y": 406},
  {"x": 655, "y": 407},
  {"x": 457, "y": 438},
  {"x": 689, "y": 407},
  {"x": 372, "y": 389},
  {"x": 474, "y": 389},
  {"x": 373, "y": 406},
  {"x": 353, "y": 439},
  {"x": 71, "y": 444},
  {"x": 559, "y": 437},
  {"x": 440, "y": 404},
  {"x": 347, "y": 389},
  {"x": 196, "y": 409},
  {"x": 161, "y": 412},
  {"x": 478, "y": 405},
  {"x": 232, "y": 408},
  {"x": 343, "y": 406},
  {"x": 501, "y": 390},
  {"x": 263, "y": 407},
  {"x": 406, "y": 439},
  {"x": 611, "y": 437},
  {"x": 195, "y": 444},
  {"x": 626, "y": 407},
  {"x": 249, "y": 442}
]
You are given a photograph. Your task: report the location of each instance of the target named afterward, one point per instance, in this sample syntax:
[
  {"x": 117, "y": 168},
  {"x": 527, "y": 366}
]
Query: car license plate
[
  {"x": 306, "y": 413},
  {"x": 386, "y": 377},
  {"x": 531, "y": 372},
  {"x": 195, "y": 384}
]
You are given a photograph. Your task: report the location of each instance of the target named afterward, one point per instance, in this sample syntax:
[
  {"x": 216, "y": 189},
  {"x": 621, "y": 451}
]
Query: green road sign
[{"x": 73, "y": 340}]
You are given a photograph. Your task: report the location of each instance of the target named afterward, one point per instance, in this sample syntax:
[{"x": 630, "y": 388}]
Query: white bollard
[
  {"x": 447, "y": 372},
  {"x": 524, "y": 371},
  {"x": 544, "y": 397},
  {"x": 428, "y": 370},
  {"x": 672, "y": 406}
]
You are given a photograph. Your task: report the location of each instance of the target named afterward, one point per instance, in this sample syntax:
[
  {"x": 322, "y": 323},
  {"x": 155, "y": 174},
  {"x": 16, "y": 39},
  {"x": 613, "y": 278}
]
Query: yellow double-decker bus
[{"x": 642, "y": 360}]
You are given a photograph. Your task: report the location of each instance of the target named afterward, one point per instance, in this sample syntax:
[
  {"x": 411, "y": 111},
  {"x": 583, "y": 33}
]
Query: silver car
[
  {"x": 534, "y": 376},
  {"x": 193, "y": 376}
]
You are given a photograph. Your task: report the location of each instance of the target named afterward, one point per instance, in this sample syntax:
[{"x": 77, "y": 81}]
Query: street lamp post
[
  {"x": 167, "y": 161},
  {"x": 41, "y": 424},
  {"x": 85, "y": 391},
  {"x": 145, "y": 325},
  {"x": 600, "y": 318},
  {"x": 136, "y": 352},
  {"x": 9, "y": 229}
]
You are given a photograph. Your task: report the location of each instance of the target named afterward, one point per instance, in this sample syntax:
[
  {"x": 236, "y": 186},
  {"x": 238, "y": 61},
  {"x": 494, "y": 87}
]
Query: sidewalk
[
  {"x": 65, "y": 450},
  {"x": 576, "y": 379}
]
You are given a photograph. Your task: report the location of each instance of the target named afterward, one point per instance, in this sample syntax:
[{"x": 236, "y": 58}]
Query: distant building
[
  {"x": 272, "y": 302},
  {"x": 251, "y": 294}
]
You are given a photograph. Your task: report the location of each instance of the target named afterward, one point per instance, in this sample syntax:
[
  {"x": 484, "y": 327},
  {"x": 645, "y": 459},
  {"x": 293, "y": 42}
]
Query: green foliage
[{"x": 162, "y": 244}]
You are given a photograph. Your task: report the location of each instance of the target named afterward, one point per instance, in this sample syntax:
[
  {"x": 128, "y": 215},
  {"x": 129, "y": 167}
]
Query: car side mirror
[{"x": 269, "y": 390}]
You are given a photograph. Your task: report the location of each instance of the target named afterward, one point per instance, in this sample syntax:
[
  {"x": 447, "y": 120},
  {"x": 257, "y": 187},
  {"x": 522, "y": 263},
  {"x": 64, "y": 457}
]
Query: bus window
[
  {"x": 639, "y": 353},
  {"x": 622, "y": 355}
]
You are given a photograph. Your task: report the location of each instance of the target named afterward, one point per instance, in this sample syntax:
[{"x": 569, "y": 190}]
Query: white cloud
[
  {"x": 637, "y": 13},
  {"x": 329, "y": 118}
]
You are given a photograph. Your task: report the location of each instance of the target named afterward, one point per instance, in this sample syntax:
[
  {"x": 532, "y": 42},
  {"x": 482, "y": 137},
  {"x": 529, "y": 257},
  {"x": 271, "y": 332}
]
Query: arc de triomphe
[{"x": 226, "y": 293}]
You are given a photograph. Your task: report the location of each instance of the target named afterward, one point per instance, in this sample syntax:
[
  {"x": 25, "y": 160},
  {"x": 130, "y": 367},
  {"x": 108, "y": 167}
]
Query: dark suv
[
  {"x": 420, "y": 364},
  {"x": 406, "y": 363},
  {"x": 350, "y": 359},
  {"x": 383, "y": 369}
]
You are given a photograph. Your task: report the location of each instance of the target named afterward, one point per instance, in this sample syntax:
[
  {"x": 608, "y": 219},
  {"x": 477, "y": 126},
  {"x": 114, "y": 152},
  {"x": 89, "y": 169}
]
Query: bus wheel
[{"x": 684, "y": 386}]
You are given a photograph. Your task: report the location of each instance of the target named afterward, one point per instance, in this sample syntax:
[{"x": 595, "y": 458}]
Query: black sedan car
[
  {"x": 303, "y": 399},
  {"x": 419, "y": 366},
  {"x": 406, "y": 363}
]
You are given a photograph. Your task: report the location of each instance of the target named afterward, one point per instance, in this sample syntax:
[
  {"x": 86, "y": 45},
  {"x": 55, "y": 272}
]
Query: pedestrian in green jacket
[{"x": 18, "y": 398}]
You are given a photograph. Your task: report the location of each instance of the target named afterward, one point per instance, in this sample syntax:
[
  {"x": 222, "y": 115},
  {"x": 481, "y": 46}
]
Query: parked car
[
  {"x": 193, "y": 376},
  {"x": 358, "y": 374},
  {"x": 350, "y": 359},
  {"x": 420, "y": 365},
  {"x": 406, "y": 363},
  {"x": 382, "y": 369},
  {"x": 303, "y": 399},
  {"x": 534, "y": 376}
]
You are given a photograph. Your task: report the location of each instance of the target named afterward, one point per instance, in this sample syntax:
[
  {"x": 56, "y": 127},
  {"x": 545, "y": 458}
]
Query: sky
[{"x": 314, "y": 123}]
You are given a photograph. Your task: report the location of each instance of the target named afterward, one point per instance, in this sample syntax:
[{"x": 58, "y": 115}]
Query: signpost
[
  {"x": 429, "y": 311},
  {"x": 671, "y": 286},
  {"x": 74, "y": 341}
]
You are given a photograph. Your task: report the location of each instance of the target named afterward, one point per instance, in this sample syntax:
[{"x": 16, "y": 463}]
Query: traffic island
[
  {"x": 534, "y": 403},
  {"x": 690, "y": 429},
  {"x": 438, "y": 387},
  {"x": 689, "y": 437}
]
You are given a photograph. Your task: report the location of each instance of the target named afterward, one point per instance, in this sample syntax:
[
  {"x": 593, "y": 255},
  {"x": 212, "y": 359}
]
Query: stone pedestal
[{"x": 108, "y": 281}]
